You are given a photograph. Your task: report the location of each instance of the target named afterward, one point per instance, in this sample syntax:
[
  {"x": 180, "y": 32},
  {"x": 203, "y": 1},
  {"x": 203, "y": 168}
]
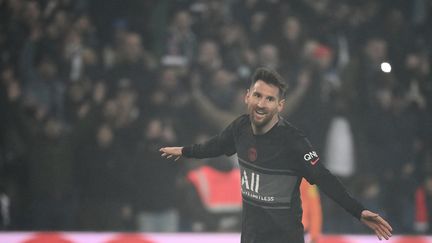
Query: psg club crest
[{"x": 252, "y": 154}]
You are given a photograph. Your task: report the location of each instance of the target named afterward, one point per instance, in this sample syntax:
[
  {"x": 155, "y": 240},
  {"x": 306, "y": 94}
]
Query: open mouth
[{"x": 260, "y": 113}]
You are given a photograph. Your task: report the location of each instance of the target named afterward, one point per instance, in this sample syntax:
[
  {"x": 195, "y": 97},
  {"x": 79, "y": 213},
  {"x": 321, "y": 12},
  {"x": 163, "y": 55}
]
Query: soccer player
[{"x": 274, "y": 156}]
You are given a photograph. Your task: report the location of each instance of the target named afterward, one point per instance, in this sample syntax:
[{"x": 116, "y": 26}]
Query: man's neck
[{"x": 264, "y": 129}]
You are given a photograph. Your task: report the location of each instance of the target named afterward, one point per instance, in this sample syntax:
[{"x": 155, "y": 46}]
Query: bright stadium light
[{"x": 386, "y": 67}]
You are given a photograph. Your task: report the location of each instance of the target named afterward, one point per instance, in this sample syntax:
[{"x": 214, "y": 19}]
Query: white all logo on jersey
[{"x": 251, "y": 182}]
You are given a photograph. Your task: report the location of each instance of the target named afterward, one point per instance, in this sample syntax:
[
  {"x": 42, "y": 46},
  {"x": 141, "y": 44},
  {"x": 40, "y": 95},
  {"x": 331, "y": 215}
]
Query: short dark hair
[{"x": 270, "y": 76}]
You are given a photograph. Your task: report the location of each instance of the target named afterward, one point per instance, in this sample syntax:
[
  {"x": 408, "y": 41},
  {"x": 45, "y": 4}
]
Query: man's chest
[
  {"x": 269, "y": 152},
  {"x": 268, "y": 177}
]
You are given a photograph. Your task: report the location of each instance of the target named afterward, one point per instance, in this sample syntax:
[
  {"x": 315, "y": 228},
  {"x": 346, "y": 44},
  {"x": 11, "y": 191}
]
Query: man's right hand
[{"x": 169, "y": 152}]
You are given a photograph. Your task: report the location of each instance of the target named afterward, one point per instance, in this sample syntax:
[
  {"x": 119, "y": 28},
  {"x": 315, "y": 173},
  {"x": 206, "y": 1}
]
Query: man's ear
[
  {"x": 247, "y": 96},
  {"x": 281, "y": 104}
]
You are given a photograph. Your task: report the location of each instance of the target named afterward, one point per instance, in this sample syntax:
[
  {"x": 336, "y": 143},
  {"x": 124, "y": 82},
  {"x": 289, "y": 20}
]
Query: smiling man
[{"x": 274, "y": 156}]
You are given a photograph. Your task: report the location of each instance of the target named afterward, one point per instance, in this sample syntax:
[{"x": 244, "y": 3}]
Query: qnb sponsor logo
[{"x": 311, "y": 157}]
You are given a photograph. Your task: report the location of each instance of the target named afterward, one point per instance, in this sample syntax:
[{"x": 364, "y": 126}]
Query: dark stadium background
[{"x": 90, "y": 89}]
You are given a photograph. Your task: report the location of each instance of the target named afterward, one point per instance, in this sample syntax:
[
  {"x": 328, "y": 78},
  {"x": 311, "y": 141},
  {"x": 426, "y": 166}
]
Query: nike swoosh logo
[{"x": 313, "y": 162}]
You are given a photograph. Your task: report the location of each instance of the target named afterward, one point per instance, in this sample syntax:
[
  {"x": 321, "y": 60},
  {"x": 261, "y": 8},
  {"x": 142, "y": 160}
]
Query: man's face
[{"x": 264, "y": 104}]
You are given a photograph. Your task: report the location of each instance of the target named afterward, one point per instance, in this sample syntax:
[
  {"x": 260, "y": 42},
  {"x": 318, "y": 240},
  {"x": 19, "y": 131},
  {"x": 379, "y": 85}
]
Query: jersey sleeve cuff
[
  {"x": 187, "y": 151},
  {"x": 358, "y": 211}
]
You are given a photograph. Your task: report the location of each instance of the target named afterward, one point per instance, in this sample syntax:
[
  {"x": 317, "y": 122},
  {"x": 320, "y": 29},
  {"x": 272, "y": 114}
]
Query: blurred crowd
[{"x": 91, "y": 89}]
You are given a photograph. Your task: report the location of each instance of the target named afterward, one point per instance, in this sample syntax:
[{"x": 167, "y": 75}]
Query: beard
[{"x": 260, "y": 117}]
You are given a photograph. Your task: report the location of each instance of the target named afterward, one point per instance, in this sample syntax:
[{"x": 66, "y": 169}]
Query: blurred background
[{"x": 90, "y": 89}]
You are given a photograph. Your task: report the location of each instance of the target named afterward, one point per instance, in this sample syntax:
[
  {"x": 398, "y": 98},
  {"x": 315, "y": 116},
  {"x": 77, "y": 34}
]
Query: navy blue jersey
[{"x": 272, "y": 166}]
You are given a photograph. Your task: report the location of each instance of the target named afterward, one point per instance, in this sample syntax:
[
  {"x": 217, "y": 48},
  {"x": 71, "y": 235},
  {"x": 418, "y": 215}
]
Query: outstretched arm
[
  {"x": 336, "y": 191},
  {"x": 316, "y": 173},
  {"x": 221, "y": 144},
  {"x": 381, "y": 227}
]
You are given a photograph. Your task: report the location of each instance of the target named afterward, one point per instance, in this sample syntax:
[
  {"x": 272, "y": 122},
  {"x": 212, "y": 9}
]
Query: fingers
[
  {"x": 382, "y": 224},
  {"x": 374, "y": 221},
  {"x": 385, "y": 223},
  {"x": 376, "y": 229},
  {"x": 376, "y": 218},
  {"x": 166, "y": 153},
  {"x": 381, "y": 233},
  {"x": 384, "y": 227},
  {"x": 378, "y": 234},
  {"x": 381, "y": 228}
]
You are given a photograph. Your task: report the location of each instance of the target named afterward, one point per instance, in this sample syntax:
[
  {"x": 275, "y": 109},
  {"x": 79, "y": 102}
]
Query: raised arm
[
  {"x": 217, "y": 117},
  {"x": 297, "y": 95}
]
